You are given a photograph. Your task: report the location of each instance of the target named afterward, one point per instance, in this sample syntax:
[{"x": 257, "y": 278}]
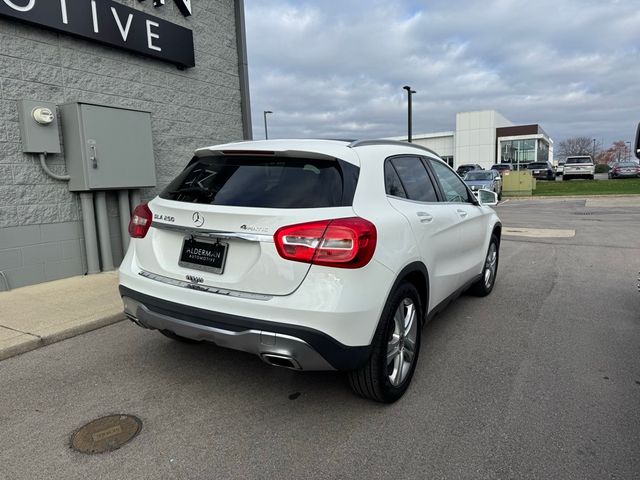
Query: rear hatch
[
  {"x": 214, "y": 224},
  {"x": 578, "y": 164}
]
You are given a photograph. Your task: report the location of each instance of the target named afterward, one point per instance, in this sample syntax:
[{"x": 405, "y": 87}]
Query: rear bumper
[
  {"x": 577, "y": 173},
  {"x": 303, "y": 347}
]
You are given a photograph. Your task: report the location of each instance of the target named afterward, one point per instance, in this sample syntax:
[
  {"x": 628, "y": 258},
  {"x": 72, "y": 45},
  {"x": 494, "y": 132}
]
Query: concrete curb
[
  {"x": 31, "y": 342},
  {"x": 45, "y": 313}
]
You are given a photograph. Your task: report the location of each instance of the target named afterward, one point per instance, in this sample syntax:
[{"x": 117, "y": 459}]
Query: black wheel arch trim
[
  {"x": 340, "y": 356},
  {"x": 414, "y": 267}
]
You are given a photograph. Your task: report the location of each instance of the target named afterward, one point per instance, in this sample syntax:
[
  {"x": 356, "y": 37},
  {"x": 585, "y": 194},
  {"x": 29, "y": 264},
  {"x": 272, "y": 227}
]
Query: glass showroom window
[
  {"x": 518, "y": 151},
  {"x": 543, "y": 151}
]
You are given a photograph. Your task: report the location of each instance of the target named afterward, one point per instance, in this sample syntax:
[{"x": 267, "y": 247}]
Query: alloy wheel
[
  {"x": 401, "y": 347},
  {"x": 490, "y": 265}
]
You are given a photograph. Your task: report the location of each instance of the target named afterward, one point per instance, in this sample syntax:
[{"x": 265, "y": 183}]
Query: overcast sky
[{"x": 331, "y": 68}]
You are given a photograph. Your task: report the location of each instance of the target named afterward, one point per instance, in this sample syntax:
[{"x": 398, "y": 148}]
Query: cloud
[{"x": 336, "y": 69}]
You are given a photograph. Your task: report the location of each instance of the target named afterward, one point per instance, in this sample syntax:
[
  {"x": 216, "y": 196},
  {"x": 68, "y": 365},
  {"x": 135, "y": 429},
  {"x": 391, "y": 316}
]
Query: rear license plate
[
  {"x": 205, "y": 255},
  {"x": 536, "y": 171}
]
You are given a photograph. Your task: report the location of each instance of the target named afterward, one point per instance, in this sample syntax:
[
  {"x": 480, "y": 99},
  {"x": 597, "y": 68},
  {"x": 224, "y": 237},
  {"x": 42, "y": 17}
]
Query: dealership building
[
  {"x": 486, "y": 137},
  {"x": 101, "y": 103}
]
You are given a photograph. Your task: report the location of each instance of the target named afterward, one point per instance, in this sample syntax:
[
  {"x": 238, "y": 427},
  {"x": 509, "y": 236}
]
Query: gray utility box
[{"x": 107, "y": 148}]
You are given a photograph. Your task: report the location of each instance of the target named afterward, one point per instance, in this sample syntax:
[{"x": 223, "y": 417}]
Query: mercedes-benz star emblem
[{"x": 198, "y": 219}]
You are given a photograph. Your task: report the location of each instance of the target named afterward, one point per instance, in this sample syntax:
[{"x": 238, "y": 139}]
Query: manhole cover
[{"x": 106, "y": 434}]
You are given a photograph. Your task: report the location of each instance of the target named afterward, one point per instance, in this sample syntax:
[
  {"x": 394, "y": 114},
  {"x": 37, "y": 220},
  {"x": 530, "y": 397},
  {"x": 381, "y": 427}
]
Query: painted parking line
[{"x": 538, "y": 232}]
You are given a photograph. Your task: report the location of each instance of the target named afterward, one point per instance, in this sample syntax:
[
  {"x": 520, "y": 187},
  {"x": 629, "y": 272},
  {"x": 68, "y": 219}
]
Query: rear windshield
[
  {"x": 626, "y": 165},
  {"x": 537, "y": 165},
  {"x": 247, "y": 181},
  {"x": 479, "y": 175},
  {"x": 579, "y": 160}
]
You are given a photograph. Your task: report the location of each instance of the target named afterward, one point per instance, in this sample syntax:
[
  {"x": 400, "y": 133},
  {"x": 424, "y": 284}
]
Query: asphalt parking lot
[{"x": 539, "y": 380}]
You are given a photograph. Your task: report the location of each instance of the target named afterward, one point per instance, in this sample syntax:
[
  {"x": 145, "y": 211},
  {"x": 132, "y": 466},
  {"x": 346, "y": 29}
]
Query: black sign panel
[{"x": 110, "y": 23}]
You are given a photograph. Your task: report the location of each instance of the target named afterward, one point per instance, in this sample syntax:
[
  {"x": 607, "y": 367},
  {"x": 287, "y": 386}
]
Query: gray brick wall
[{"x": 189, "y": 108}]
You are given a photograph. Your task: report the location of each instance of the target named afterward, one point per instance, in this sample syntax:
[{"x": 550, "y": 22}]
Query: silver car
[{"x": 484, "y": 179}]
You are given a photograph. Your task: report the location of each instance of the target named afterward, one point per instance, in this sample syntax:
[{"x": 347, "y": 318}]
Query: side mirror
[
  {"x": 487, "y": 197},
  {"x": 638, "y": 142}
]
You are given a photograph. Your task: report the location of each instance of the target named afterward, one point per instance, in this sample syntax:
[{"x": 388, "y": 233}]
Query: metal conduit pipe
[
  {"x": 106, "y": 256},
  {"x": 89, "y": 228},
  {"x": 124, "y": 212},
  {"x": 135, "y": 199},
  {"x": 45, "y": 167}
]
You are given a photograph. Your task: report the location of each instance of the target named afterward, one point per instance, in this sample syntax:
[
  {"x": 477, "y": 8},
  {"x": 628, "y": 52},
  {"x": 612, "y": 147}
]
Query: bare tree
[{"x": 576, "y": 146}]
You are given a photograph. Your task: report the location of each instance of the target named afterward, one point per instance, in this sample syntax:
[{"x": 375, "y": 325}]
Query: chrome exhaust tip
[{"x": 283, "y": 361}]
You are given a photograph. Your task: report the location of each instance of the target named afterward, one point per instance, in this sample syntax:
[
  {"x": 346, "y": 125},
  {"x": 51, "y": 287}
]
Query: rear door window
[
  {"x": 249, "y": 181},
  {"x": 413, "y": 177}
]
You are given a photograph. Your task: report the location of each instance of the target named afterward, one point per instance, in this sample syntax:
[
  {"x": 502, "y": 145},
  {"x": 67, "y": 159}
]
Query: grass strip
[{"x": 622, "y": 186}]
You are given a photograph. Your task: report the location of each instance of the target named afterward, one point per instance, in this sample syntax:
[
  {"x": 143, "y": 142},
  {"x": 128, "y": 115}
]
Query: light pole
[
  {"x": 409, "y": 93},
  {"x": 593, "y": 156},
  {"x": 266, "y": 132}
]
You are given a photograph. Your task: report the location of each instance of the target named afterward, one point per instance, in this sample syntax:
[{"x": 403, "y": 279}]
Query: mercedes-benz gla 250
[{"x": 311, "y": 254}]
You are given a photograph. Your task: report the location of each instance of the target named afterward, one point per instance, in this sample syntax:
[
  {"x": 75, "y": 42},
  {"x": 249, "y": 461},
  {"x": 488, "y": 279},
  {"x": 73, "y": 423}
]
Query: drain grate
[{"x": 106, "y": 434}]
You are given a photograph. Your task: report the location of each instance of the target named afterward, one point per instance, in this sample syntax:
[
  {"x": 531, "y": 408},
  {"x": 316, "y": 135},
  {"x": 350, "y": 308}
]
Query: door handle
[
  {"x": 425, "y": 217},
  {"x": 462, "y": 213}
]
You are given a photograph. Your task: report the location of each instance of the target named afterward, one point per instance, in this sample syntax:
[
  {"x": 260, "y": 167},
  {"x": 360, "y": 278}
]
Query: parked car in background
[
  {"x": 484, "y": 179},
  {"x": 580, "y": 166},
  {"x": 463, "y": 169},
  {"x": 311, "y": 254},
  {"x": 502, "y": 168},
  {"x": 624, "y": 170},
  {"x": 560, "y": 168},
  {"x": 542, "y": 170}
]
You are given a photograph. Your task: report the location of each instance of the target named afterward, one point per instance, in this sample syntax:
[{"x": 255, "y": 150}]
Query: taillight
[
  {"x": 344, "y": 242},
  {"x": 140, "y": 221}
]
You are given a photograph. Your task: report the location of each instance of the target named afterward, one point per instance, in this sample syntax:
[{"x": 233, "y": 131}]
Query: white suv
[
  {"x": 579, "y": 167},
  {"x": 312, "y": 254}
]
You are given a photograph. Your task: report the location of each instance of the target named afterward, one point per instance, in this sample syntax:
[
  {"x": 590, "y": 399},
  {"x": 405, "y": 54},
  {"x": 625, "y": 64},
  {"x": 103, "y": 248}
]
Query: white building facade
[{"x": 485, "y": 138}]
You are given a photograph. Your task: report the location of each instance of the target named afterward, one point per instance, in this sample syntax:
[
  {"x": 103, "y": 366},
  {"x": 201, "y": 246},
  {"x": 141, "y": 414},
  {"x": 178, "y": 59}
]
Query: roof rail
[{"x": 365, "y": 143}]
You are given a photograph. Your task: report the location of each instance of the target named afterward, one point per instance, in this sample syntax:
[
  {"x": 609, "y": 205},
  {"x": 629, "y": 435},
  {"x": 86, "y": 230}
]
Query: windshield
[
  {"x": 478, "y": 175},
  {"x": 579, "y": 160}
]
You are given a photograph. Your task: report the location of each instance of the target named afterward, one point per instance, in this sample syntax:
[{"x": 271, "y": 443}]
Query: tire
[
  {"x": 564, "y": 178},
  {"x": 386, "y": 381},
  {"x": 485, "y": 283},
  {"x": 178, "y": 338},
  {"x": 591, "y": 177}
]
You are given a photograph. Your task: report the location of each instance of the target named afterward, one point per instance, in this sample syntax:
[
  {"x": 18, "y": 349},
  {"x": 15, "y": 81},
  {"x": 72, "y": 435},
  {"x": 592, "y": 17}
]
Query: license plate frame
[{"x": 213, "y": 248}]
